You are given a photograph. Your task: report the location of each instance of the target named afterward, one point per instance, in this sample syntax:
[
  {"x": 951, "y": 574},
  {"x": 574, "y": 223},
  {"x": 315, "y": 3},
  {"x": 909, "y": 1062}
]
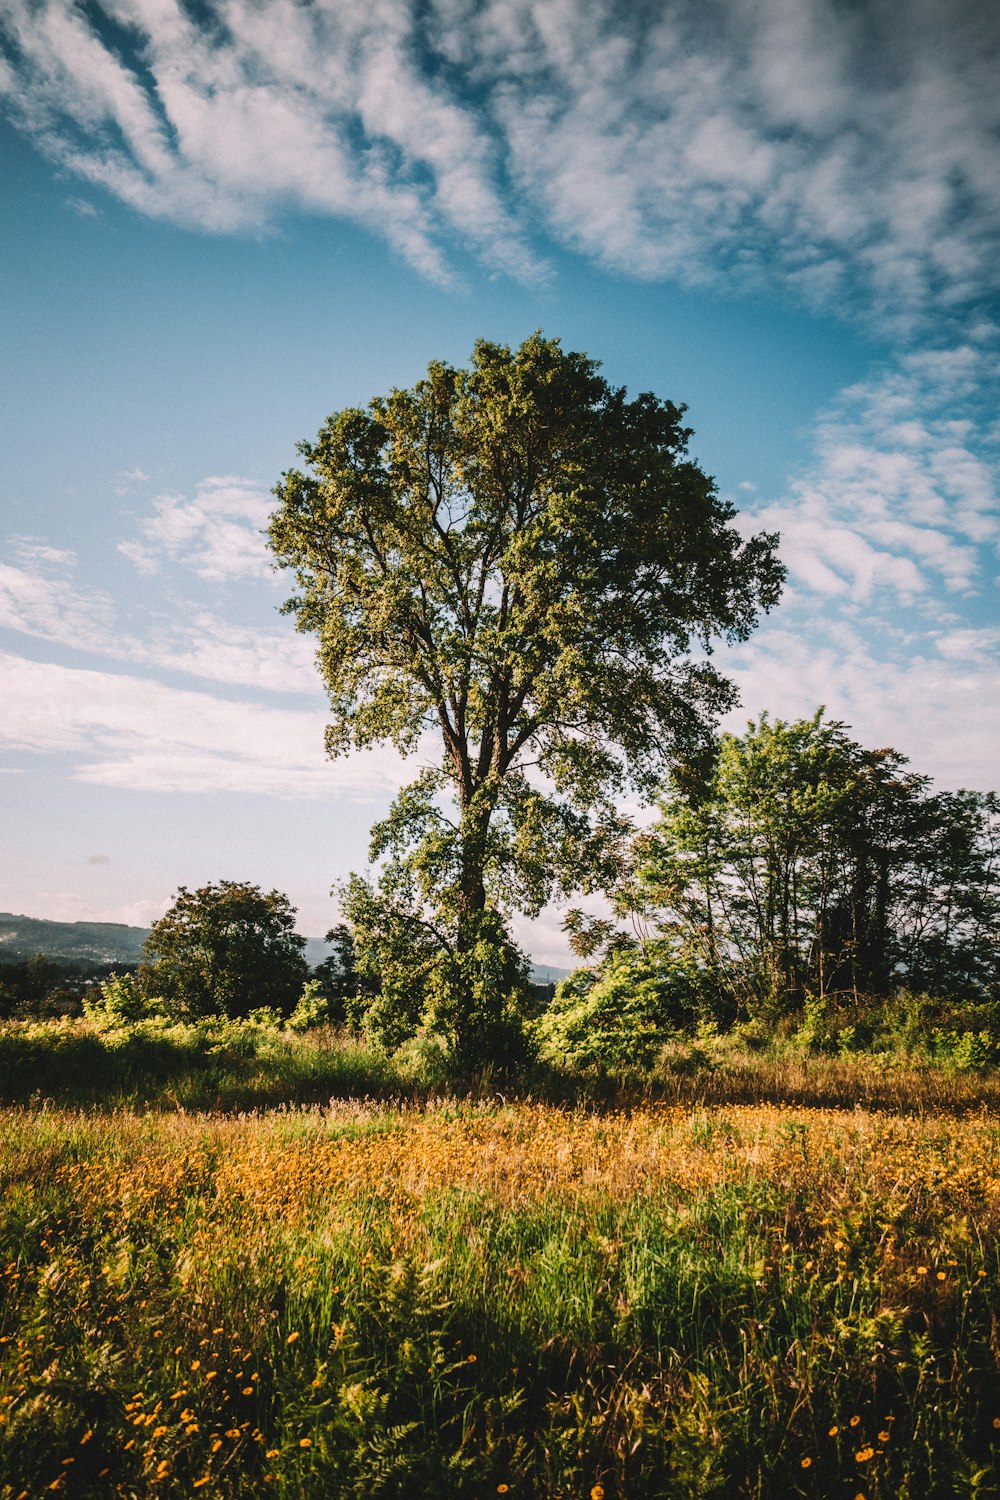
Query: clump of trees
[
  {"x": 519, "y": 571},
  {"x": 802, "y": 868},
  {"x": 520, "y": 566},
  {"x": 42, "y": 985},
  {"x": 807, "y": 864}
]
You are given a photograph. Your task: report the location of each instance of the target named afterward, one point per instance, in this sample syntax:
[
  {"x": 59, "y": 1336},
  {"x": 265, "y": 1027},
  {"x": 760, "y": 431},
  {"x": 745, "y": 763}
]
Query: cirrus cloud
[
  {"x": 124, "y": 731},
  {"x": 901, "y": 500},
  {"x": 837, "y": 147},
  {"x": 42, "y": 597}
]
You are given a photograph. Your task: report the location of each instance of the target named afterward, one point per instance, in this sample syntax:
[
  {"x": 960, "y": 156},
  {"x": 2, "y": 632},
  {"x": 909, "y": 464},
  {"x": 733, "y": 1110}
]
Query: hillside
[
  {"x": 116, "y": 943},
  {"x": 75, "y": 942}
]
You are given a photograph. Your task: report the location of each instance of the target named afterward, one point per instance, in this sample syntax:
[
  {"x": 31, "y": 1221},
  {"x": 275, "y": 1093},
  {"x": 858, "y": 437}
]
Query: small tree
[
  {"x": 524, "y": 563},
  {"x": 225, "y": 949}
]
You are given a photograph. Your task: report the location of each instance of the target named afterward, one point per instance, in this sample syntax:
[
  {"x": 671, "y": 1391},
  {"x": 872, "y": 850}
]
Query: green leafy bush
[
  {"x": 313, "y": 1008},
  {"x": 634, "y": 1004},
  {"x": 967, "y": 1051},
  {"x": 121, "y": 999}
]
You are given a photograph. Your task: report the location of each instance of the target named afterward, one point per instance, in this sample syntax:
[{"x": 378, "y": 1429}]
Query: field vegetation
[{"x": 757, "y": 1274}]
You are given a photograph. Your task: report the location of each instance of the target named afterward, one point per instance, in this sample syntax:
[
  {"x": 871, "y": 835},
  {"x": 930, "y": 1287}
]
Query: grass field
[{"x": 741, "y": 1284}]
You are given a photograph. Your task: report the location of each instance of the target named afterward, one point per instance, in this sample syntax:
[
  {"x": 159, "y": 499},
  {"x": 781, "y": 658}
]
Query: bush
[
  {"x": 967, "y": 1051},
  {"x": 313, "y": 1008},
  {"x": 121, "y": 999},
  {"x": 474, "y": 994},
  {"x": 634, "y": 1003}
]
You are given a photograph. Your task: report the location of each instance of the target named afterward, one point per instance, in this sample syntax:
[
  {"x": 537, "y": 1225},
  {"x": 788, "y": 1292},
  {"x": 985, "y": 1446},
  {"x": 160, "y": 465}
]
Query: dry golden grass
[{"x": 673, "y": 1298}]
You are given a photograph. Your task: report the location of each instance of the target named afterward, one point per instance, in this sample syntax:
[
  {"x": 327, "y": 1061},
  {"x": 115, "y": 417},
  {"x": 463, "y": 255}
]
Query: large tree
[{"x": 523, "y": 563}]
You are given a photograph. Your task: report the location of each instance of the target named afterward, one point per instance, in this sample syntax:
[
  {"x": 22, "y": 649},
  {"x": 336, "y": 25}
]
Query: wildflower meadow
[{"x": 688, "y": 1291}]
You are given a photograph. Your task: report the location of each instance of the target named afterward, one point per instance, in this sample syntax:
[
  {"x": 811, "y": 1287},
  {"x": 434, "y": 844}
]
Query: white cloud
[
  {"x": 978, "y": 647},
  {"x": 940, "y": 707},
  {"x": 218, "y": 534},
  {"x": 902, "y": 497},
  {"x": 43, "y": 599},
  {"x": 277, "y": 661},
  {"x": 39, "y": 598},
  {"x": 130, "y": 732},
  {"x": 795, "y": 137},
  {"x": 890, "y": 538},
  {"x": 259, "y": 110},
  {"x": 83, "y": 207}
]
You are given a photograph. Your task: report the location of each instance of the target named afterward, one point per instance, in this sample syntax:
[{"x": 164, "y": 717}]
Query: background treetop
[{"x": 227, "y": 949}]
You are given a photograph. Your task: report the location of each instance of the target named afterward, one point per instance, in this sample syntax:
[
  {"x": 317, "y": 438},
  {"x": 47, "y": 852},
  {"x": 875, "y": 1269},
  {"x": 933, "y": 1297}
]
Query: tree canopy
[
  {"x": 225, "y": 949},
  {"x": 810, "y": 864},
  {"x": 519, "y": 560}
]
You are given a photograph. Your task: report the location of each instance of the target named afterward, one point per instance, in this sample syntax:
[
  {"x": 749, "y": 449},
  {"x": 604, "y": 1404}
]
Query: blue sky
[{"x": 221, "y": 222}]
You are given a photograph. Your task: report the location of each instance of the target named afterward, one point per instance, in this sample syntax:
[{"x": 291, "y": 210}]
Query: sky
[{"x": 221, "y": 222}]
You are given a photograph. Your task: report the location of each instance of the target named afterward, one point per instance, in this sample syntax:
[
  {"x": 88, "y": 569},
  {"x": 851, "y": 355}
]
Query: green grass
[
  {"x": 215, "y": 1064},
  {"x": 237, "y": 1066},
  {"x": 765, "y": 1277}
]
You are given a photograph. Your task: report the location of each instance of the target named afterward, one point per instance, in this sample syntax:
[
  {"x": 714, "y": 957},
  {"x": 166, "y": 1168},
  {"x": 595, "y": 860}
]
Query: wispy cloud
[
  {"x": 902, "y": 498},
  {"x": 217, "y": 534},
  {"x": 42, "y": 597},
  {"x": 83, "y": 207},
  {"x": 891, "y": 538},
  {"x": 38, "y": 597},
  {"x": 130, "y": 732},
  {"x": 833, "y": 145},
  {"x": 221, "y": 126},
  {"x": 939, "y": 705}
]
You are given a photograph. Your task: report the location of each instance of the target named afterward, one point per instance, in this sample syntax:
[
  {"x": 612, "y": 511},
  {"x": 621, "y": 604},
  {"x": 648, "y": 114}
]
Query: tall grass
[
  {"x": 233, "y": 1066},
  {"x": 668, "y": 1299},
  {"x": 212, "y": 1064}
]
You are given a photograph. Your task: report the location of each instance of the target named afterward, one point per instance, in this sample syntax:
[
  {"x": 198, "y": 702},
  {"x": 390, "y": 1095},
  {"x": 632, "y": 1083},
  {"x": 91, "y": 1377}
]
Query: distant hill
[
  {"x": 115, "y": 943},
  {"x": 90, "y": 942},
  {"x": 74, "y": 942},
  {"x": 546, "y": 974}
]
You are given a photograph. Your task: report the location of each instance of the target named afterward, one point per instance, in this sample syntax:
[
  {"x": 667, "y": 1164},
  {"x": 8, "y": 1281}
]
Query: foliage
[
  {"x": 25, "y": 983},
  {"x": 213, "y": 1063},
  {"x": 472, "y": 991},
  {"x": 41, "y": 985},
  {"x": 808, "y": 865},
  {"x": 907, "y": 1055},
  {"x": 225, "y": 949},
  {"x": 121, "y": 998},
  {"x": 901, "y": 1028},
  {"x": 311, "y": 1009},
  {"x": 945, "y": 897},
  {"x": 473, "y": 1301},
  {"x": 634, "y": 1003},
  {"x": 339, "y": 981},
  {"x": 518, "y": 559}
]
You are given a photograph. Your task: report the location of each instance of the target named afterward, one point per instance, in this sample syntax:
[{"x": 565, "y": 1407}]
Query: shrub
[
  {"x": 313, "y": 1008},
  {"x": 634, "y": 1004},
  {"x": 121, "y": 999},
  {"x": 967, "y": 1051}
]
